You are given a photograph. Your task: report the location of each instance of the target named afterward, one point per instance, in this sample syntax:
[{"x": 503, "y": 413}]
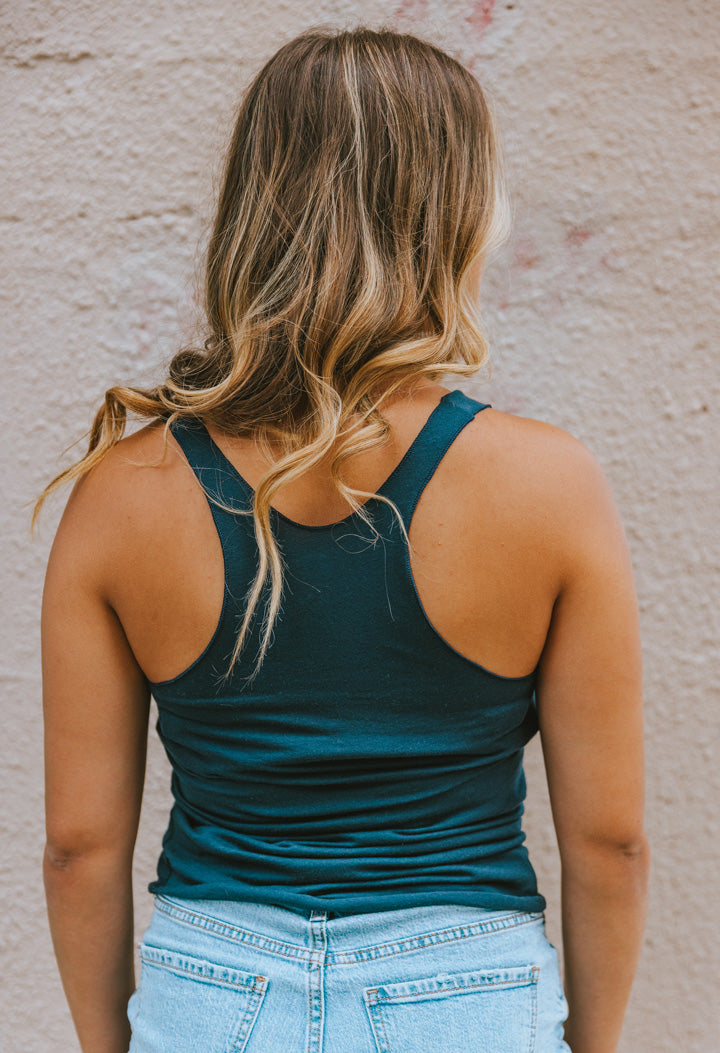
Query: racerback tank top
[{"x": 368, "y": 765}]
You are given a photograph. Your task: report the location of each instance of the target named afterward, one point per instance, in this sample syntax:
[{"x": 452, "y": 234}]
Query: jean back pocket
[
  {"x": 484, "y": 1010},
  {"x": 189, "y": 1005}
]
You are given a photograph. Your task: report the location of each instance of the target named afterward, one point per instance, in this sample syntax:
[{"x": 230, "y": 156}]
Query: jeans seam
[
  {"x": 255, "y": 999},
  {"x": 533, "y": 1019},
  {"x": 234, "y": 934},
  {"x": 413, "y": 943},
  {"x": 449, "y": 991},
  {"x": 379, "y": 1018},
  {"x": 294, "y": 952},
  {"x": 316, "y": 993},
  {"x": 258, "y": 981}
]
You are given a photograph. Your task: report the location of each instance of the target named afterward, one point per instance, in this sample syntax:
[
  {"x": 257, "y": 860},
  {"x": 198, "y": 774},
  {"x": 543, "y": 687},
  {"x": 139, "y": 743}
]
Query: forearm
[
  {"x": 89, "y": 900},
  {"x": 604, "y": 894}
]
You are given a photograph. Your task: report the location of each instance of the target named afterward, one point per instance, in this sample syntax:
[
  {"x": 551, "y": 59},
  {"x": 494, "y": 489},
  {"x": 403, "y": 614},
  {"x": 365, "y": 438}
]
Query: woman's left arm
[{"x": 95, "y": 702}]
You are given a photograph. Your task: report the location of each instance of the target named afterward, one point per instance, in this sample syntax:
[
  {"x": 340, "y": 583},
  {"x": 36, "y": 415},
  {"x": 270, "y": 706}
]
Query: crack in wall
[{"x": 72, "y": 58}]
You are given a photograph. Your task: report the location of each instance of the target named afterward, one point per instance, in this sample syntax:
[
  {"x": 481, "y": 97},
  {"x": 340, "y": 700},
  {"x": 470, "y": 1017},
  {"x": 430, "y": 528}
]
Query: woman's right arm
[{"x": 590, "y": 710}]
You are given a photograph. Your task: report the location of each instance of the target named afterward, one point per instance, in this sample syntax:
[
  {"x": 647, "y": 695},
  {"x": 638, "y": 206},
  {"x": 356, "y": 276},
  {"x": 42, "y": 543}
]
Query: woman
[{"x": 378, "y": 593}]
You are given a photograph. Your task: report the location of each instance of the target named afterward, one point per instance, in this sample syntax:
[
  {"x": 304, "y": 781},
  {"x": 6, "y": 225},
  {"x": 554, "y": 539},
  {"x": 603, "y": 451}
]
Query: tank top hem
[{"x": 339, "y": 905}]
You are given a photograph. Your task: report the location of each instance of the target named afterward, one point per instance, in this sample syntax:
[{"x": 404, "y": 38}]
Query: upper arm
[
  {"x": 590, "y": 683},
  {"x": 95, "y": 697}
]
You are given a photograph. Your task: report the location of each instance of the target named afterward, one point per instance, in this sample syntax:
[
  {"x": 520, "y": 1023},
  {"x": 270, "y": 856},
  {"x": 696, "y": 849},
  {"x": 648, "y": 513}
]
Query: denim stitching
[
  {"x": 529, "y": 981},
  {"x": 236, "y": 935},
  {"x": 254, "y": 980},
  {"x": 315, "y": 980},
  {"x": 255, "y": 1000},
  {"x": 382, "y": 950},
  {"x": 412, "y": 943},
  {"x": 381, "y": 1040},
  {"x": 533, "y": 1019}
]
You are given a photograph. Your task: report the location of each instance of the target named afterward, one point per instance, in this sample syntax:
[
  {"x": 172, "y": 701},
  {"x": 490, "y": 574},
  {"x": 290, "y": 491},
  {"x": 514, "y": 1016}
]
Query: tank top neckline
[{"x": 381, "y": 490}]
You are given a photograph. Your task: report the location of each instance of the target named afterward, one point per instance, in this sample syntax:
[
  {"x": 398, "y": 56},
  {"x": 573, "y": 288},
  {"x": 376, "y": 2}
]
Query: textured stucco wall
[{"x": 601, "y": 310}]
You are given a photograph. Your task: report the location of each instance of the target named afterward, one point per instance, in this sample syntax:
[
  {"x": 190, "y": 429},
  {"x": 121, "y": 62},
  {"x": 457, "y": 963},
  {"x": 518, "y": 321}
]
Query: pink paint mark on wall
[
  {"x": 481, "y": 15},
  {"x": 410, "y": 11},
  {"x": 588, "y": 258},
  {"x": 526, "y": 253},
  {"x": 577, "y": 236}
]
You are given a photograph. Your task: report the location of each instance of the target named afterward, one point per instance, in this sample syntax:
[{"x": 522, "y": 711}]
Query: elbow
[
  {"x": 609, "y": 862},
  {"x": 70, "y": 856},
  {"x": 67, "y": 842},
  {"x": 59, "y": 857},
  {"x": 631, "y": 845},
  {"x": 634, "y": 849},
  {"x": 634, "y": 855}
]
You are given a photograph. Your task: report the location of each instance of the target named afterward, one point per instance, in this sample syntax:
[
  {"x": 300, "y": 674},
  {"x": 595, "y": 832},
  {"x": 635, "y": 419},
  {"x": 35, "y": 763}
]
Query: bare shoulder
[
  {"x": 543, "y": 488},
  {"x": 132, "y": 469},
  {"x": 548, "y": 464},
  {"x": 122, "y": 497},
  {"x": 529, "y": 441}
]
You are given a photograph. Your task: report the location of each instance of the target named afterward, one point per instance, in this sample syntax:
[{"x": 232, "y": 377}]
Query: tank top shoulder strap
[
  {"x": 406, "y": 484},
  {"x": 226, "y": 491},
  {"x": 224, "y": 486}
]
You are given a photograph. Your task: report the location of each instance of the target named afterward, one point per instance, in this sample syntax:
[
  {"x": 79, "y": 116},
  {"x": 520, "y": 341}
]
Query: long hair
[{"x": 361, "y": 182}]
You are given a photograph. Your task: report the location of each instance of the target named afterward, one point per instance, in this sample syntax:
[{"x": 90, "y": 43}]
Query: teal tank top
[{"x": 368, "y": 766}]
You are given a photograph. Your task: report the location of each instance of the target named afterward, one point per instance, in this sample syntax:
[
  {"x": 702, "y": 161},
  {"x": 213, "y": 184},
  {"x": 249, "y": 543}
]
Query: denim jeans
[{"x": 239, "y": 977}]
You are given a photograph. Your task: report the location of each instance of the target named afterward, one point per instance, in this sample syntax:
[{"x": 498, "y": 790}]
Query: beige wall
[{"x": 601, "y": 309}]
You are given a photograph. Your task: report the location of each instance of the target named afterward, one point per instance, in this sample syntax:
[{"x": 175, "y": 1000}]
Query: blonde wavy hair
[{"x": 361, "y": 183}]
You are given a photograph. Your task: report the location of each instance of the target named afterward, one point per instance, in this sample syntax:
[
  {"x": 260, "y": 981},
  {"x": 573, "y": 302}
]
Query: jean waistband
[{"x": 279, "y": 929}]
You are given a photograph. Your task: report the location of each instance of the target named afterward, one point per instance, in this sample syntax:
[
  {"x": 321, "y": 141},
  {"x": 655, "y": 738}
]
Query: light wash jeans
[{"x": 227, "y": 977}]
